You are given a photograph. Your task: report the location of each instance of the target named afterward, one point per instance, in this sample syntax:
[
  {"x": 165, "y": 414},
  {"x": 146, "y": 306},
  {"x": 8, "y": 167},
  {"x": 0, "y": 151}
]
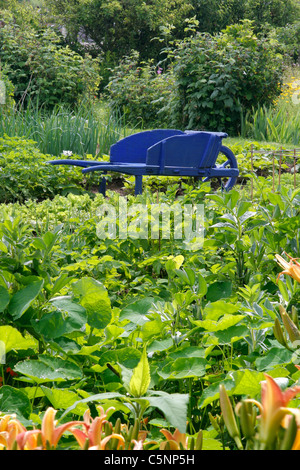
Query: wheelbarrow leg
[
  {"x": 102, "y": 187},
  {"x": 138, "y": 184}
]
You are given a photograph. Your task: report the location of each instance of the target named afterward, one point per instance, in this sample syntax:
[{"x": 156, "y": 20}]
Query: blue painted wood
[
  {"x": 133, "y": 149},
  {"x": 168, "y": 152}
]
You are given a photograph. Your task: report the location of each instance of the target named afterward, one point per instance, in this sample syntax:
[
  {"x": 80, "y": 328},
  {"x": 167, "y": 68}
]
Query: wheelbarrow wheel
[{"x": 226, "y": 159}]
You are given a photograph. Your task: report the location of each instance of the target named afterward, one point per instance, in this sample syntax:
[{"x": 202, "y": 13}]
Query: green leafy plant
[{"x": 41, "y": 68}]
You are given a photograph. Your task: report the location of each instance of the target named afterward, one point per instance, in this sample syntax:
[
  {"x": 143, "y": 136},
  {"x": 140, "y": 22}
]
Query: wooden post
[
  {"x": 273, "y": 171},
  {"x": 252, "y": 172},
  {"x": 280, "y": 162},
  {"x": 295, "y": 168}
]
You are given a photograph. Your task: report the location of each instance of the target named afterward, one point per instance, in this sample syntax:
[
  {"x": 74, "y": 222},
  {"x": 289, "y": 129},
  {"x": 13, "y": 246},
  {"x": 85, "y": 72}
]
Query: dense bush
[
  {"x": 24, "y": 173},
  {"x": 119, "y": 26},
  {"x": 289, "y": 39},
  {"x": 140, "y": 91},
  {"x": 212, "y": 80},
  {"x": 40, "y": 67},
  {"x": 219, "y": 77},
  {"x": 6, "y": 94}
]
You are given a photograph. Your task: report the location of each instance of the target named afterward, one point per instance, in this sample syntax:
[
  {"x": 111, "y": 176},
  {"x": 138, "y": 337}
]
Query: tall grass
[
  {"x": 281, "y": 122},
  {"x": 272, "y": 125},
  {"x": 63, "y": 129}
]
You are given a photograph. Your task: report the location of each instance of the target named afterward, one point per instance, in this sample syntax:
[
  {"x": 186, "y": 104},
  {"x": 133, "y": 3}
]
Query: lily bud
[
  {"x": 294, "y": 316},
  {"x": 199, "y": 441},
  {"x": 289, "y": 435},
  {"x": 214, "y": 422},
  {"x": 229, "y": 418},
  {"x": 278, "y": 333},
  {"x": 247, "y": 416},
  {"x": 292, "y": 330}
]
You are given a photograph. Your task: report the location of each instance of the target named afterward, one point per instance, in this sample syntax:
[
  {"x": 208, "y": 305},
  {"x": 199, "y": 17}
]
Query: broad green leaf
[
  {"x": 247, "y": 382},
  {"x": 187, "y": 352},
  {"x": 242, "y": 382},
  {"x": 283, "y": 290},
  {"x": 94, "y": 298},
  {"x": 126, "y": 375},
  {"x": 211, "y": 393},
  {"x": 274, "y": 357},
  {"x": 48, "y": 369},
  {"x": 99, "y": 397},
  {"x": 232, "y": 334},
  {"x": 13, "y": 340},
  {"x": 152, "y": 328},
  {"x": 243, "y": 207},
  {"x": 13, "y": 400},
  {"x": 60, "y": 282},
  {"x": 62, "y": 399},
  {"x": 129, "y": 356},
  {"x": 4, "y": 298},
  {"x": 22, "y": 299},
  {"x": 211, "y": 444},
  {"x": 183, "y": 368},
  {"x": 51, "y": 325},
  {"x": 202, "y": 286},
  {"x": 3, "y": 247},
  {"x": 160, "y": 345},
  {"x": 55, "y": 324},
  {"x": 174, "y": 407},
  {"x": 225, "y": 322},
  {"x": 140, "y": 379},
  {"x": 219, "y": 290},
  {"x": 136, "y": 311},
  {"x": 214, "y": 310}
]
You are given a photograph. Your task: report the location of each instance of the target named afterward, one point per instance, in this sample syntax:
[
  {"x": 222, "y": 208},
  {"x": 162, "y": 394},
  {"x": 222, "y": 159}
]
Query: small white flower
[{"x": 68, "y": 153}]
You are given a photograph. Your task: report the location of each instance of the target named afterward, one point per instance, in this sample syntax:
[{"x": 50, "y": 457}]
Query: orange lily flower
[
  {"x": 10, "y": 427},
  {"x": 50, "y": 433},
  {"x": 174, "y": 440},
  {"x": 29, "y": 440},
  {"x": 93, "y": 432},
  {"x": 138, "y": 445},
  {"x": 273, "y": 408},
  {"x": 292, "y": 268}
]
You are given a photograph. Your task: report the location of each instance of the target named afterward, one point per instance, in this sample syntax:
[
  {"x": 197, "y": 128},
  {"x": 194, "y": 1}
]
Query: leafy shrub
[
  {"x": 212, "y": 80},
  {"x": 6, "y": 93},
  {"x": 140, "y": 90},
  {"x": 41, "y": 68},
  {"x": 219, "y": 77},
  {"x": 24, "y": 173}
]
